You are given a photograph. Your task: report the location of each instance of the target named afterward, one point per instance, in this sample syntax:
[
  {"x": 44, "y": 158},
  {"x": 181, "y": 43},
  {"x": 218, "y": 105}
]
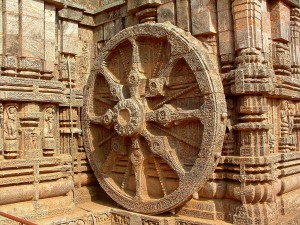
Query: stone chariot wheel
[{"x": 154, "y": 117}]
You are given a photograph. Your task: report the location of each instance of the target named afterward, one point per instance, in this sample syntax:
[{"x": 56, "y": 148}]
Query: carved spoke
[
  {"x": 178, "y": 137},
  {"x": 156, "y": 85},
  {"x": 117, "y": 149},
  {"x": 160, "y": 177},
  {"x": 118, "y": 91},
  {"x": 135, "y": 75},
  {"x": 137, "y": 159},
  {"x": 169, "y": 116},
  {"x": 107, "y": 139},
  {"x": 105, "y": 120},
  {"x": 160, "y": 146},
  {"x": 104, "y": 100},
  {"x": 176, "y": 95}
]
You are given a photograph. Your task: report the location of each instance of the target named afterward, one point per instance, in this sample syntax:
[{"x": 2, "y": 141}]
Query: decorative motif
[
  {"x": 141, "y": 115},
  {"x": 118, "y": 219},
  {"x": 287, "y": 113},
  {"x": 11, "y": 144},
  {"x": 49, "y": 123}
]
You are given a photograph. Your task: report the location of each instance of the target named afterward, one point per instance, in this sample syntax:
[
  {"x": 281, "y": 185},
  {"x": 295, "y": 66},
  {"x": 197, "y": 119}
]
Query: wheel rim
[{"x": 152, "y": 115}]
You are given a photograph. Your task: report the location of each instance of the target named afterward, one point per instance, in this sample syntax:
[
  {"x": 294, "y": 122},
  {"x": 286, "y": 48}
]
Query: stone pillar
[
  {"x": 11, "y": 36},
  {"x": 253, "y": 80},
  {"x": 226, "y": 35},
  {"x": 69, "y": 48},
  {"x": 1, "y": 130},
  {"x": 204, "y": 17},
  {"x": 67, "y": 126},
  {"x": 30, "y": 131},
  {"x": 253, "y": 127},
  {"x": 295, "y": 42},
  {"x": 50, "y": 41},
  {"x": 32, "y": 38},
  {"x": 280, "y": 22},
  {"x": 183, "y": 14}
]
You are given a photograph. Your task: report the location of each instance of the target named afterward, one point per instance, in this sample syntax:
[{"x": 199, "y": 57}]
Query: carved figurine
[
  {"x": 291, "y": 116},
  {"x": 11, "y": 144},
  {"x": 11, "y": 122},
  {"x": 49, "y": 140},
  {"x": 284, "y": 114},
  {"x": 49, "y": 121}
]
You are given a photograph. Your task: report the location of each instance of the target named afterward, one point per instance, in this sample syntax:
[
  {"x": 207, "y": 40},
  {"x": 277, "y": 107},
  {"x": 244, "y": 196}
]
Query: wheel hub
[{"x": 128, "y": 117}]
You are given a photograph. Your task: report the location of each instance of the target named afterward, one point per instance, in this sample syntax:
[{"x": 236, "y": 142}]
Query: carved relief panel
[
  {"x": 154, "y": 117},
  {"x": 11, "y": 132},
  {"x": 50, "y": 123}
]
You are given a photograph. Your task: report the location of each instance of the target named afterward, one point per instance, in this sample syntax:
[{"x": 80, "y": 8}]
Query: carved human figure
[
  {"x": 49, "y": 121},
  {"x": 284, "y": 114},
  {"x": 291, "y": 116},
  {"x": 11, "y": 122},
  {"x": 287, "y": 117}
]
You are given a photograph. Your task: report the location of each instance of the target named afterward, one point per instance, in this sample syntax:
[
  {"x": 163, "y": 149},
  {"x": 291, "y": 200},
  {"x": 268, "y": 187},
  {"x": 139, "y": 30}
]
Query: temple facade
[{"x": 150, "y": 112}]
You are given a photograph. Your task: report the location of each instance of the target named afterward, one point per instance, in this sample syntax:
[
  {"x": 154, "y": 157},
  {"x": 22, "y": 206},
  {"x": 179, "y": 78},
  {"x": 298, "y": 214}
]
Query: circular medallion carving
[{"x": 153, "y": 125}]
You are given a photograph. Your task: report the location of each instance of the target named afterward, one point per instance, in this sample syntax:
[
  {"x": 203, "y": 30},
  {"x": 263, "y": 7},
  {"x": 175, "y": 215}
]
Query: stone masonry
[{"x": 150, "y": 112}]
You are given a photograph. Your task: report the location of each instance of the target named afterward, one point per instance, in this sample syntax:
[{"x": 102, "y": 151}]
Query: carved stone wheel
[{"x": 154, "y": 115}]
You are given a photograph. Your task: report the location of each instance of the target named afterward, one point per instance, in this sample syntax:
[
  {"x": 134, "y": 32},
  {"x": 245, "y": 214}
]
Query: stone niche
[{"x": 150, "y": 112}]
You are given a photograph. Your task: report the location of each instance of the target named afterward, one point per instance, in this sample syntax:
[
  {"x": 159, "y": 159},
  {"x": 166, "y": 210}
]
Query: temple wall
[
  {"x": 47, "y": 50},
  {"x": 46, "y": 54}
]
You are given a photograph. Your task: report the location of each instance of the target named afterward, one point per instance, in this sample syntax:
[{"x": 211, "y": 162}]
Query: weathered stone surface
[
  {"x": 131, "y": 117},
  {"x": 154, "y": 114},
  {"x": 204, "y": 17},
  {"x": 69, "y": 37}
]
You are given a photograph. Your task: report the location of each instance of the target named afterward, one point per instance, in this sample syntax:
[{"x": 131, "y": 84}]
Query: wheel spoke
[
  {"x": 160, "y": 146},
  {"x": 137, "y": 159},
  {"x": 135, "y": 74},
  {"x": 104, "y": 100},
  {"x": 185, "y": 140},
  {"x": 117, "y": 149},
  {"x": 162, "y": 180},
  {"x": 156, "y": 84},
  {"x": 118, "y": 91},
  {"x": 106, "y": 139},
  {"x": 176, "y": 95},
  {"x": 104, "y": 120},
  {"x": 169, "y": 116}
]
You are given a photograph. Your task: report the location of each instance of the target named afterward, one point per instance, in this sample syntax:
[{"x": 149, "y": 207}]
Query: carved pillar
[
  {"x": 280, "y": 22},
  {"x": 295, "y": 42},
  {"x": 11, "y": 37},
  {"x": 183, "y": 14},
  {"x": 226, "y": 35},
  {"x": 50, "y": 41},
  {"x": 251, "y": 76},
  {"x": 253, "y": 80},
  {"x": 30, "y": 131},
  {"x": 148, "y": 15},
  {"x": 1, "y": 130},
  {"x": 253, "y": 128},
  {"x": 69, "y": 50},
  {"x": 68, "y": 122},
  {"x": 32, "y": 38}
]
